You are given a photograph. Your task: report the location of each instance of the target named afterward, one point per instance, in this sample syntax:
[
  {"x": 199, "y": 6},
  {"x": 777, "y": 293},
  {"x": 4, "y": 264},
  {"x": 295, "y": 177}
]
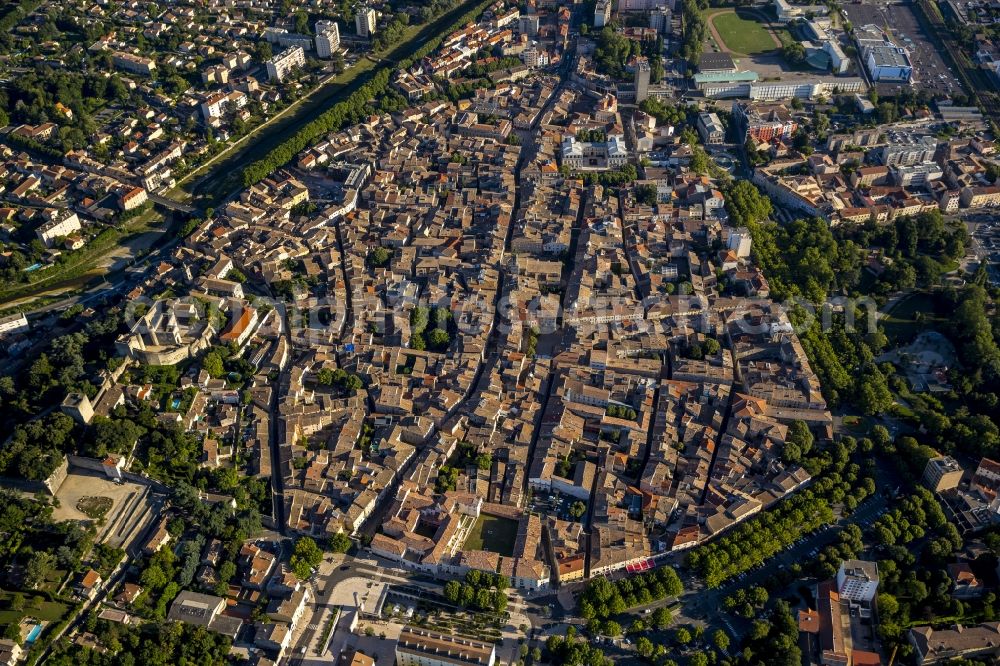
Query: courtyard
[
  {"x": 116, "y": 508},
  {"x": 492, "y": 533}
]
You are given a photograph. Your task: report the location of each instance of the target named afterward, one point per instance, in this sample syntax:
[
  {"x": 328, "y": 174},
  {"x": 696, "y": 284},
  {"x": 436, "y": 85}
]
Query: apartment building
[
  {"x": 133, "y": 63},
  {"x": 364, "y": 21},
  {"x": 130, "y": 198},
  {"x": 980, "y": 197},
  {"x": 710, "y": 128},
  {"x": 602, "y": 13},
  {"x": 534, "y": 57},
  {"x": 60, "y": 222},
  {"x": 857, "y": 580},
  {"x": 942, "y": 473},
  {"x": 873, "y": 175},
  {"x": 642, "y": 74},
  {"x": 916, "y": 175},
  {"x": 764, "y": 122},
  {"x": 280, "y": 65},
  {"x": 660, "y": 20},
  {"x": 217, "y": 104},
  {"x": 327, "y": 38},
  {"x": 527, "y": 24},
  {"x": 906, "y": 148},
  {"x": 12, "y": 324}
]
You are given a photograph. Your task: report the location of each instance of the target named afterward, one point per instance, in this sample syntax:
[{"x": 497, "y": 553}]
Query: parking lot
[
  {"x": 552, "y": 504},
  {"x": 930, "y": 72}
]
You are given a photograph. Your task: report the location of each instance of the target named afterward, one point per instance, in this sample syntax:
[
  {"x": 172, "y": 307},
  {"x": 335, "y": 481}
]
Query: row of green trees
[
  {"x": 603, "y": 598},
  {"x": 695, "y": 29},
  {"x": 344, "y": 113},
  {"x": 759, "y": 538},
  {"x": 622, "y": 412}
]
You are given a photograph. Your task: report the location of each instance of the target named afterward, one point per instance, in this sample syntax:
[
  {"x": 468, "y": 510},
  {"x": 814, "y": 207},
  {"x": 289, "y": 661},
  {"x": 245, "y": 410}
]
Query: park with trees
[
  {"x": 603, "y": 599},
  {"x": 479, "y": 591},
  {"x": 807, "y": 259}
]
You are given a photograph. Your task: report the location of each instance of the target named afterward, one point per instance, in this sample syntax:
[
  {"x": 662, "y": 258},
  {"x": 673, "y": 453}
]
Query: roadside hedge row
[{"x": 350, "y": 111}]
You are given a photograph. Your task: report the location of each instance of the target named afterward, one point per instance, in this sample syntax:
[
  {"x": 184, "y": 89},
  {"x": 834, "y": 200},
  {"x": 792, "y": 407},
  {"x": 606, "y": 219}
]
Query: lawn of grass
[
  {"x": 860, "y": 426},
  {"x": 52, "y": 611},
  {"x": 94, "y": 507},
  {"x": 494, "y": 534},
  {"x": 900, "y": 323},
  {"x": 742, "y": 35}
]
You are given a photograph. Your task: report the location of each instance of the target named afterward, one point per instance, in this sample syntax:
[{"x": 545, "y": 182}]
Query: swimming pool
[
  {"x": 175, "y": 403},
  {"x": 33, "y": 634},
  {"x": 32, "y": 268}
]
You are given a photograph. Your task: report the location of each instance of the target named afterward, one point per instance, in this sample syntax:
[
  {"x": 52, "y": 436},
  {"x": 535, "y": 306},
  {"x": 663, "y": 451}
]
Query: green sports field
[{"x": 742, "y": 34}]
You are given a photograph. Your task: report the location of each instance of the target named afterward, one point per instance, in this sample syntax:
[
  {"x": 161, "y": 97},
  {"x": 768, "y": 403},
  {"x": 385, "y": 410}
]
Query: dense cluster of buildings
[
  {"x": 131, "y": 152},
  {"x": 288, "y": 603},
  {"x": 869, "y": 173},
  {"x": 65, "y": 205},
  {"x": 971, "y": 501},
  {"x": 411, "y": 246},
  {"x": 486, "y": 360},
  {"x": 538, "y": 38}
]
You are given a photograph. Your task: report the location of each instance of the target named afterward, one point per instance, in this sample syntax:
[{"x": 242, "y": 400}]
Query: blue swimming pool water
[
  {"x": 175, "y": 403},
  {"x": 33, "y": 634},
  {"x": 32, "y": 267}
]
